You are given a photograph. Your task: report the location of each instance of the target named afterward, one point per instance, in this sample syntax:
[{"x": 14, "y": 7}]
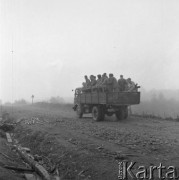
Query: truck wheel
[
  {"x": 120, "y": 114},
  {"x": 98, "y": 113},
  {"x": 79, "y": 111}
]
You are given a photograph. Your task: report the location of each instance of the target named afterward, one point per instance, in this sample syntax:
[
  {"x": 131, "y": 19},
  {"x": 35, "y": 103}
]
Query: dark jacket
[{"x": 122, "y": 84}]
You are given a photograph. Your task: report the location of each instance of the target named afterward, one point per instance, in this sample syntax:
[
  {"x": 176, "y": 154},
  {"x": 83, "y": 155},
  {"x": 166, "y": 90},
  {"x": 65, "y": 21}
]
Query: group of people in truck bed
[{"x": 110, "y": 83}]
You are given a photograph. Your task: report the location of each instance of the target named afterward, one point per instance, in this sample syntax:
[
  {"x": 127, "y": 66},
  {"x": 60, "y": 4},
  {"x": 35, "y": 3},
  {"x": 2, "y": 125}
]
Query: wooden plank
[
  {"x": 18, "y": 168},
  {"x": 88, "y": 98},
  {"x": 37, "y": 167},
  {"x": 30, "y": 176},
  {"x": 6, "y": 156},
  {"x": 8, "y": 136},
  {"x": 102, "y": 98},
  {"x": 85, "y": 98},
  {"x": 94, "y": 98},
  {"x": 82, "y": 98},
  {"x": 116, "y": 98}
]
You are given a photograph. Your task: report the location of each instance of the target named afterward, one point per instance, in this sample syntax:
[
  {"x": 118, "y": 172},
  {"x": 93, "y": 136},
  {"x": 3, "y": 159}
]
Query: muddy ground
[
  {"x": 10, "y": 158},
  {"x": 85, "y": 149}
]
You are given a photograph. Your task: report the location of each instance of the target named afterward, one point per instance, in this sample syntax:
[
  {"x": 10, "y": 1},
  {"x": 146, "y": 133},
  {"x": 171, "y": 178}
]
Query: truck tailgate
[{"x": 123, "y": 98}]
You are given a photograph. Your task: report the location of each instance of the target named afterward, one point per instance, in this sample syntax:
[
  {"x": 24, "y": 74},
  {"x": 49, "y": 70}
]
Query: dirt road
[{"x": 84, "y": 149}]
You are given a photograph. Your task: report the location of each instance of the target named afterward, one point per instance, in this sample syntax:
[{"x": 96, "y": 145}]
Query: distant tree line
[{"x": 157, "y": 104}]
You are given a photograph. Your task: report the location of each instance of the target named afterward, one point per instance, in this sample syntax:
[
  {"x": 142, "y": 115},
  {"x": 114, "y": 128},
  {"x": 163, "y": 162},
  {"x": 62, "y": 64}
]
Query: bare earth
[{"x": 85, "y": 149}]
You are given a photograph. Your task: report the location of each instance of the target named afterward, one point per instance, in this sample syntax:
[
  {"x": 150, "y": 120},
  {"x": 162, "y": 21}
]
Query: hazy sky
[{"x": 57, "y": 42}]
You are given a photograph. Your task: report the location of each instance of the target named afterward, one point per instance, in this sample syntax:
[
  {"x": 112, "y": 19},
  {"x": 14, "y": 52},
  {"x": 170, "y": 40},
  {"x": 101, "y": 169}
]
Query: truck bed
[{"x": 111, "y": 98}]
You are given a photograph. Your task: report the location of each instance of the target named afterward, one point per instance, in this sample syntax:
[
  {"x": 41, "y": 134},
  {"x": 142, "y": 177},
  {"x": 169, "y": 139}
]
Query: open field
[{"x": 84, "y": 149}]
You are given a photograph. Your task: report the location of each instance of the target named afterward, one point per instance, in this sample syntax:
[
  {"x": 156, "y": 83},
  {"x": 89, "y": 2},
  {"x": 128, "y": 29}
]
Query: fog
[
  {"x": 160, "y": 103},
  {"x": 55, "y": 43}
]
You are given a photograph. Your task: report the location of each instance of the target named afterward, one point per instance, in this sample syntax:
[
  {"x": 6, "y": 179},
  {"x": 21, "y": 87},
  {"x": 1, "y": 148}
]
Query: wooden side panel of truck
[{"x": 112, "y": 98}]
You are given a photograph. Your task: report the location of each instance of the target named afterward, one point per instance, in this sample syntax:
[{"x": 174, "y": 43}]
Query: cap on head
[
  {"x": 121, "y": 75},
  {"x": 110, "y": 75},
  {"x": 99, "y": 75}
]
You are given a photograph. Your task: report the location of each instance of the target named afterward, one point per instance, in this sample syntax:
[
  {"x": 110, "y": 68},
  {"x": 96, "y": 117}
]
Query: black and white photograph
[{"x": 89, "y": 89}]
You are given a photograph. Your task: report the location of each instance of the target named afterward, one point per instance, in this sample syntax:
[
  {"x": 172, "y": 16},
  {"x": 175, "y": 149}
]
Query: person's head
[
  {"x": 86, "y": 77},
  {"x": 110, "y": 75},
  {"x": 91, "y": 77},
  {"x": 94, "y": 77},
  {"x": 129, "y": 79},
  {"x": 121, "y": 76},
  {"x": 105, "y": 75},
  {"x": 99, "y": 76}
]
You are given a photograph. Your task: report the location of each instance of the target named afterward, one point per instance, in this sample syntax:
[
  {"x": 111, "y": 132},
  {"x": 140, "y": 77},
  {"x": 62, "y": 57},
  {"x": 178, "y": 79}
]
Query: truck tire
[
  {"x": 120, "y": 114},
  {"x": 98, "y": 113},
  {"x": 79, "y": 111}
]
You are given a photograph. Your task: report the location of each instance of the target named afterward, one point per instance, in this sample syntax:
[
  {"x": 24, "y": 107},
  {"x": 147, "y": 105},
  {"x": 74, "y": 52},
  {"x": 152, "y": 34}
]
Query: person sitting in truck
[
  {"x": 122, "y": 83},
  {"x": 130, "y": 85},
  {"x": 112, "y": 84},
  {"x": 104, "y": 79},
  {"x": 115, "y": 84},
  {"x": 95, "y": 79},
  {"x": 105, "y": 75},
  {"x": 92, "y": 80},
  {"x": 87, "y": 81},
  {"x": 98, "y": 82},
  {"x": 84, "y": 86}
]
